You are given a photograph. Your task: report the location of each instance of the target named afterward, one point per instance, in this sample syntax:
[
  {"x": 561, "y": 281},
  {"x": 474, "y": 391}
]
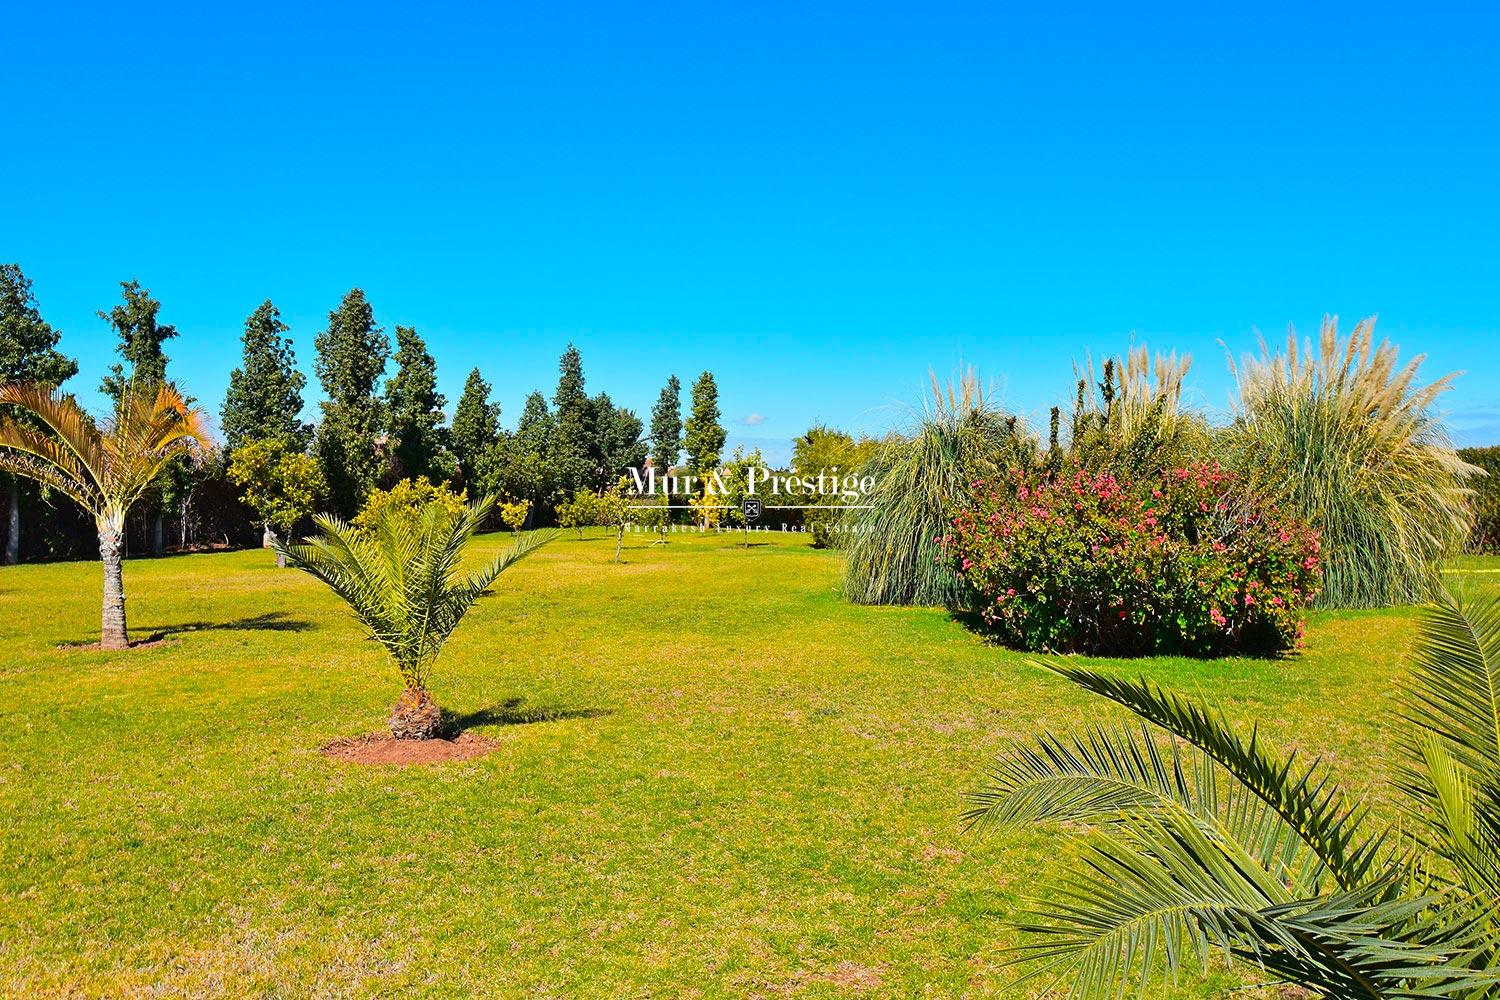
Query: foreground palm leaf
[
  {"x": 400, "y": 577},
  {"x": 1213, "y": 841},
  {"x": 104, "y": 468}
]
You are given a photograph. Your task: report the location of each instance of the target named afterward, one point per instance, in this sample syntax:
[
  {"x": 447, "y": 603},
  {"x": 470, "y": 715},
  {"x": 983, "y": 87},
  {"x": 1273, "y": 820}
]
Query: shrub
[
  {"x": 1350, "y": 442},
  {"x": 1083, "y": 563},
  {"x": 1485, "y": 536},
  {"x": 409, "y": 498}
]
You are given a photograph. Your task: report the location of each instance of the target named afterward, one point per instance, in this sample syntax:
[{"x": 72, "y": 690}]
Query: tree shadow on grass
[
  {"x": 150, "y": 637},
  {"x": 514, "y": 712},
  {"x": 271, "y": 621}
]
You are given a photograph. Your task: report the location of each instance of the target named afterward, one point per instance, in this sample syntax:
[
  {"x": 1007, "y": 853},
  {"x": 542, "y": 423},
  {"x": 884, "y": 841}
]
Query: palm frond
[
  {"x": 1157, "y": 891},
  {"x": 402, "y": 578},
  {"x": 1106, "y": 776},
  {"x": 1451, "y": 754},
  {"x": 1304, "y": 795}
]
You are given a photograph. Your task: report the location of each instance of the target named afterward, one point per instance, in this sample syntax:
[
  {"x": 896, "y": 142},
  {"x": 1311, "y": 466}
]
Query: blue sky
[{"x": 817, "y": 202}]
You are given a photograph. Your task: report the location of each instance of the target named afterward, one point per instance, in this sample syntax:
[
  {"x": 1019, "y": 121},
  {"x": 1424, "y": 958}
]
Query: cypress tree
[
  {"x": 414, "y": 410},
  {"x": 28, "y": 353},
  {"x": 666, "y": 426},
  {"x": 703, "y": 436},
  {"x": 264, "y": 400},
  {"x": 573, "y": 461},
  {"x": 476, "y": 428},
  {"x": 352, "y": 354},
  {"x": 141, "y": 339}
]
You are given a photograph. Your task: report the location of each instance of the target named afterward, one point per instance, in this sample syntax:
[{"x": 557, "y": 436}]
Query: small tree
[
  {"x": 282, "y": 485},
  {"x": 401, "y": 579},
  {"x": 579, "y": 512},
  {"x": 513, "y": 513},
  {"x": 656, "y": 516},
  {"x": 706, "y": 510},
  {"x": 612, "y": 510},
  {"x": 734, "y": 479}
]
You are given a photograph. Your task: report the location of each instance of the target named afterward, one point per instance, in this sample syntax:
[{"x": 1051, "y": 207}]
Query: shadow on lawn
[
  {"x": 511, "y": 712},
  {"x": 271, "y": 621}
]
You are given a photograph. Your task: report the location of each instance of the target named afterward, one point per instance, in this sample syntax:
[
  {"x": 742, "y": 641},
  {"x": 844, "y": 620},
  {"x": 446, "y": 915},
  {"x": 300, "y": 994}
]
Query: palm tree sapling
[{"x": 399, "y": 574}]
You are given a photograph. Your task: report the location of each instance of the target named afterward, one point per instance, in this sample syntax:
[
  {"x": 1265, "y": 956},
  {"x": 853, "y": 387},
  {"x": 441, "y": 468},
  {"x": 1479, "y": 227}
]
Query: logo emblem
[{"x": 752, "y": 509}]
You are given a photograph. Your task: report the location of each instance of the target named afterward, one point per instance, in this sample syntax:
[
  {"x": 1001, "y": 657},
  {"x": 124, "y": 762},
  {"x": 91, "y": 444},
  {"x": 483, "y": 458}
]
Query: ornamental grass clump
[
  {"x": 1349, "y": 441},
  {"x": 1085, "y": 562},
  {"x": 918, "y": 478},
  {"x": 400, "y": 576}
]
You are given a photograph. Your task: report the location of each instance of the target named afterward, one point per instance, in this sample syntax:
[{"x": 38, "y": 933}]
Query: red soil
[{"x": 383, "y": 748}]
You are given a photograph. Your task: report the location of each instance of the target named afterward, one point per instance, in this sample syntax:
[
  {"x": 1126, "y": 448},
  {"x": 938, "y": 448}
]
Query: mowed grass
[{"x": 716, "y": 778}]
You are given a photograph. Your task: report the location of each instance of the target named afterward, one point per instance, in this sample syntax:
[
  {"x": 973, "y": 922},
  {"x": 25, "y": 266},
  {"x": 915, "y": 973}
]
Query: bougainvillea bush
[{"x": 1082, "y": 562}]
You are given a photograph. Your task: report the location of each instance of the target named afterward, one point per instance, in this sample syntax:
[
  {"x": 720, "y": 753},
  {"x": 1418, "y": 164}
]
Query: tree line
[{"x": 372, "y": 430}]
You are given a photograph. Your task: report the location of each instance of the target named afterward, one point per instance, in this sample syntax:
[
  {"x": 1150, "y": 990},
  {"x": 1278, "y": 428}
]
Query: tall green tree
[
  {"x": 571, "y": 452},
  {"x": 28, "y": 353},
  {"x": 141, "y": 338},
  {"x": 704, "y": 435},
  {"x": 352, "y": 353},
  {"x": 476, "y": 427},
  {"x": 520, "y": 464},
  {"x": 414, "y": 412},
  {"x": 264, "y": 400},
  {"x": 666, "y": 426},
  {"x": 617, "y": 445}
]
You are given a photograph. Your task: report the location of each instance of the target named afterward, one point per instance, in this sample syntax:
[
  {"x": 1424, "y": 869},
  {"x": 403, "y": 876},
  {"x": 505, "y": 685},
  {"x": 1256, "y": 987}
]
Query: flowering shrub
[{"x": 1084, "y": 563}]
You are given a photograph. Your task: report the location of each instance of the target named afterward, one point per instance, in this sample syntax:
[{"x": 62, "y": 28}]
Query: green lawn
[{"x": 716, "y": 779}]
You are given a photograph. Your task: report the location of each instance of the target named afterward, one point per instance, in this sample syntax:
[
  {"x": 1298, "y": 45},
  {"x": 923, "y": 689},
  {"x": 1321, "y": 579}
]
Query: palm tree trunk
[
  {"x": 416, "y": 716},
  {"x": 13, "y": 536},
  {"x": 157, "y": 531},
  {"x": 112, "y": 634}
]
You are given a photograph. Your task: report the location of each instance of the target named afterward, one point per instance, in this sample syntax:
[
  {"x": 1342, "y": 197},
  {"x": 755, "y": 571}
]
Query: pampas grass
[
  {"x": 959, "y": 436},
  {"x": 1132, "y": 421},
  {"x": 1347, "y": 438}
]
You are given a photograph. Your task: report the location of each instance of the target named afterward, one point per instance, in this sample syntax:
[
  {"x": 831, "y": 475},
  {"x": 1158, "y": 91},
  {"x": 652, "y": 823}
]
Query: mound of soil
[{"x": 383, "y": 748}]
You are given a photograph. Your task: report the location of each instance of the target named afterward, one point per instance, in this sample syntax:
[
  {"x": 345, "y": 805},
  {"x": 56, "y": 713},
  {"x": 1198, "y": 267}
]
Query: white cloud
[{"x": 754, "y": 420}]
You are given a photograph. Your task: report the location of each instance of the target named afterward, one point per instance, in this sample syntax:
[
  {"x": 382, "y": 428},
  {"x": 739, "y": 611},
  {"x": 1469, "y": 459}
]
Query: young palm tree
[
  {"x": 1215, "y": 841},
  {"x": 104, "y": 468},
  {"x": 400, "y": 577}
]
